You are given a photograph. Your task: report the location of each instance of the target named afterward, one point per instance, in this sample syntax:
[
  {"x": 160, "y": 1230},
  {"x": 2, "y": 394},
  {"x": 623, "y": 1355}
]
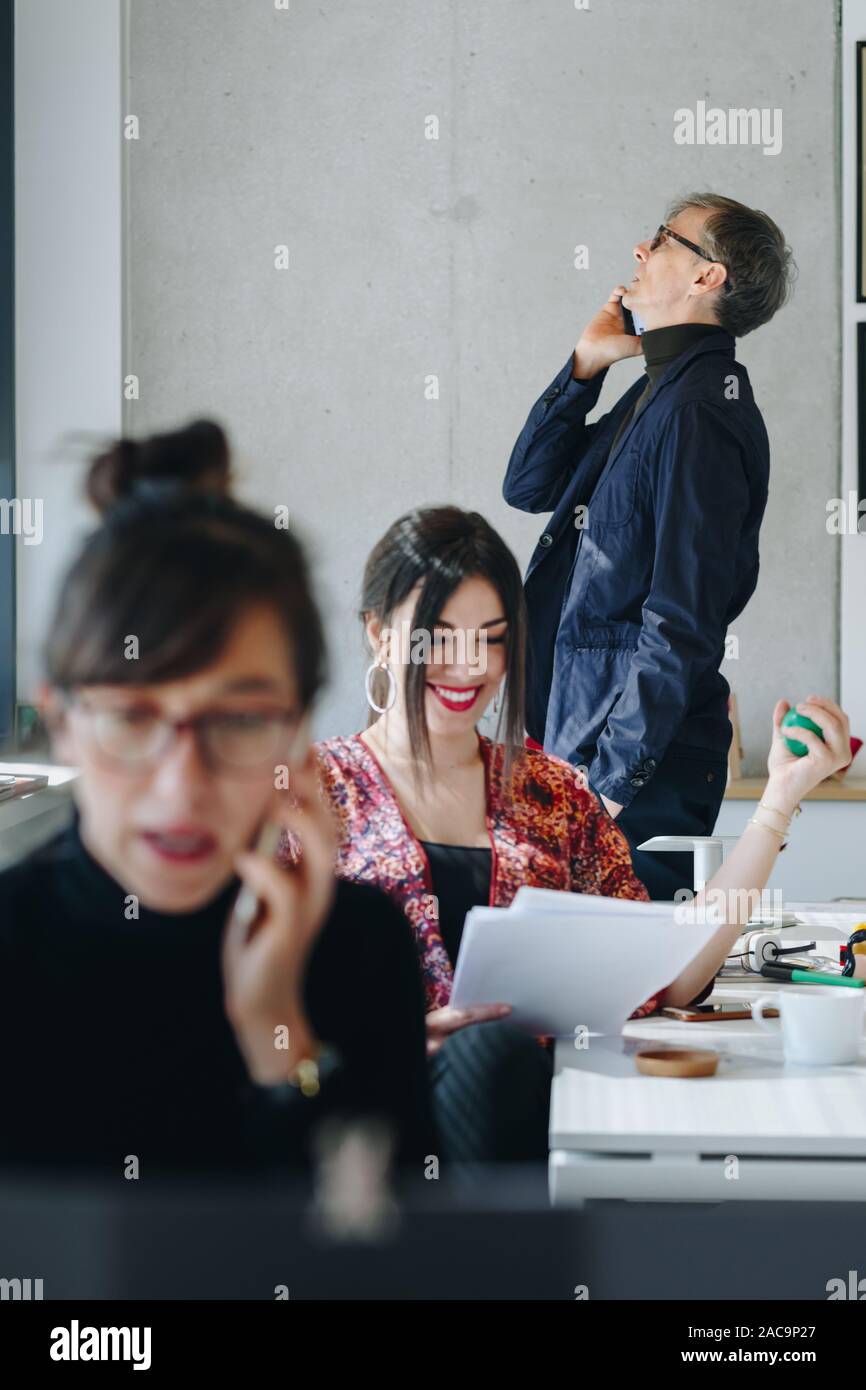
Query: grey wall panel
[{"x": 411, "y": 257}]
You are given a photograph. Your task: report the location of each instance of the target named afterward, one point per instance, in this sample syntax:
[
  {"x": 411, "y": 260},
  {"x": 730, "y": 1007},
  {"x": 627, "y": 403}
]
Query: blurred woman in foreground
[{"x": 183, "y": 661}]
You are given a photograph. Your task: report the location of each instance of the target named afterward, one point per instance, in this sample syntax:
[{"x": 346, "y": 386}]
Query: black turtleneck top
[
  {"x": 114, "y": 1040},
  {"x": 661, "y": 347}
]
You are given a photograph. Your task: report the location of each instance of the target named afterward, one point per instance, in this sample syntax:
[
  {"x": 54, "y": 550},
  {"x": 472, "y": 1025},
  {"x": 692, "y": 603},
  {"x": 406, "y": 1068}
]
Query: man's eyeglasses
[
  {"x": 244, "y": 742},
  {"x": 664, "y": 232}
]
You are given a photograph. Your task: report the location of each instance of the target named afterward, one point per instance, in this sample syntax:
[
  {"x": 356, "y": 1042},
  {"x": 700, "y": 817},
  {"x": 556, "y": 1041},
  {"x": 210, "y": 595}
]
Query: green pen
[{"x": 807, "y": 977}]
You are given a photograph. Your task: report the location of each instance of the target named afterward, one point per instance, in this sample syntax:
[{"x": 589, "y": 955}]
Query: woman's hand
[
  {"x": 744, "y": 874},
  {"x": 441, "y": 1023},
  {"x": 792, "y": 777},
  {"x": 264, "y": 964}
]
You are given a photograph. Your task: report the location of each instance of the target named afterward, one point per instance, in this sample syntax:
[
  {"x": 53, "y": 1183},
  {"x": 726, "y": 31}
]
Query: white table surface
[
  {"x": 26, "y": 820},
  {"x": 792, "y": 1132}
]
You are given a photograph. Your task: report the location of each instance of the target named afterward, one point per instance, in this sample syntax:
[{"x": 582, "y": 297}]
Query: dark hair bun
[{"x": 189, "y": 460}]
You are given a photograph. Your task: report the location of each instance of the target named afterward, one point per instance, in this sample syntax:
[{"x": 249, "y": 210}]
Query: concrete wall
[
  {"x": 411, "y": 257},
  {"x": 852, "y": 547},
  {"x": 68, "y": 257}
]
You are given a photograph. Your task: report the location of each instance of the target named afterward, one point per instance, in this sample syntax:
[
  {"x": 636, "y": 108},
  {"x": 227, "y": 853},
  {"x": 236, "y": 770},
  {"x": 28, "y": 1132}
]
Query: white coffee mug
[{"x": 820, "y": 1026}]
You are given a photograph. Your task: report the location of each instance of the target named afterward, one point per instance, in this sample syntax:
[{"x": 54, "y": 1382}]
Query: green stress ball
[{"x": 793, "y": 720}]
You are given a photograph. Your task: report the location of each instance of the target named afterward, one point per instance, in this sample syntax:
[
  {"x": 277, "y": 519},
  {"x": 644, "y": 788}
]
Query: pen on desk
[
  {"x": 810, "y": 962},
  {"x": 805, "y": 977}
]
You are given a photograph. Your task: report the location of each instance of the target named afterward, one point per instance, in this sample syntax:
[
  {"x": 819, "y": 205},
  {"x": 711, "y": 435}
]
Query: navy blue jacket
[{"x": 629, "y": 603}]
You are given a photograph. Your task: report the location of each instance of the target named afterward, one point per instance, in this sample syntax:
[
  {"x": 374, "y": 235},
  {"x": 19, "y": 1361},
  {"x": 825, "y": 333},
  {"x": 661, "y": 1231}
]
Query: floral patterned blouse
[{"x": 549, "y": 833}]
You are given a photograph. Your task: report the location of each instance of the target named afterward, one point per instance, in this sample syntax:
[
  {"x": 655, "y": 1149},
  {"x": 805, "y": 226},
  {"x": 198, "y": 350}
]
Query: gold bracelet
[
  {"x": 762, "y": 825},
  {"x": 796, "y": 811},
  {"x": 771, "y": 811}
]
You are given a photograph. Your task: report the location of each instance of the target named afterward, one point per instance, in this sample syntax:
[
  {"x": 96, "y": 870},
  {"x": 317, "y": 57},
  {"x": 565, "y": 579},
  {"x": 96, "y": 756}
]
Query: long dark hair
[
  {"x": 175, "y": 562},
  {"x": 437, "y": 548}
]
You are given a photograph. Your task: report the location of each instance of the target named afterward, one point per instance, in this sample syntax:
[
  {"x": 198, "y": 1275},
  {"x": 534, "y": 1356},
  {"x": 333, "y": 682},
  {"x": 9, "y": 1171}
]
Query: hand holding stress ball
[
  {"x": 794, "y": 720},
  {"x": 797, "y": 765}
]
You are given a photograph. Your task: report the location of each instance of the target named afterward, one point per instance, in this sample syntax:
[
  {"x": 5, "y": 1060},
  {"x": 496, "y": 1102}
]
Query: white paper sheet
[
  {"x": 549, "y": 900},
  {"x": 572, "y": 960}
]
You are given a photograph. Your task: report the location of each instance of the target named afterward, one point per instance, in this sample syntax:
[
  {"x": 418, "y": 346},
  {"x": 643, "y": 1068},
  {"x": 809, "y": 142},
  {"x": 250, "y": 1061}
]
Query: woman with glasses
[
  {"x": 445, "y": 818},
  {"x": 149, "y": 1016}
]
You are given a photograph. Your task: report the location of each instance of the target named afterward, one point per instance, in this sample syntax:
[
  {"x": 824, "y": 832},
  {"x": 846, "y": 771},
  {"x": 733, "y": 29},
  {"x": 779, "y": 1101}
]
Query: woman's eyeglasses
[{"x": 134, "y": 737}]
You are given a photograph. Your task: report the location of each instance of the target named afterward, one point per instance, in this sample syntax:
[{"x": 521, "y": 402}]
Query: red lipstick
[{"x": 456, "y": 698}]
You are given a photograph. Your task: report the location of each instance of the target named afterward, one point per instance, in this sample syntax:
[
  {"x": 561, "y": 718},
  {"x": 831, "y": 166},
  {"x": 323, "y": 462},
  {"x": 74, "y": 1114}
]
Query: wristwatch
[{"x": 307, "y": 1076}]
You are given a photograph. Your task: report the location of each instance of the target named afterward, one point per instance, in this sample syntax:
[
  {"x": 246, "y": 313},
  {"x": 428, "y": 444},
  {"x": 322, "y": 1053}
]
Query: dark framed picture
[
  {"x": 861, "y": 175},
  {"x": 7, "y": 370}
]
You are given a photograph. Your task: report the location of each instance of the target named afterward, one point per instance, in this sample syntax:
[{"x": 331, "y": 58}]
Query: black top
[
  {"x": 660, "y": 347},
  {"x": 461, "y": 879},
  {"x": 114, "y": 1041}
]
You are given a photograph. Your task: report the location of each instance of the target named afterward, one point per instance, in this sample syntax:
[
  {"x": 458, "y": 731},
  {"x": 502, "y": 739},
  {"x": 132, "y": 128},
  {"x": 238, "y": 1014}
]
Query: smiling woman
[
  {"x": 446, "y": 573},
  {"x": 444, "y": 819}
]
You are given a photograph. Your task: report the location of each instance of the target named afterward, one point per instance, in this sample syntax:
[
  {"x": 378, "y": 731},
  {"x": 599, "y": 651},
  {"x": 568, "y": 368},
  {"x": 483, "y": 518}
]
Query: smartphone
[
  {"x": 267, "y": 837},
  {"x": 631, "y": 323},
  {"x": 246, "y": 906},
  {"x": 714, "y": 1013}
]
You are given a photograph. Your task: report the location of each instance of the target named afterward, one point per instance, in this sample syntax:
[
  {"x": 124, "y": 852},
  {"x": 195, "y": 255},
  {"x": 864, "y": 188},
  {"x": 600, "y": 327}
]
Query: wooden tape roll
[{"x": 676, "y": 1061}]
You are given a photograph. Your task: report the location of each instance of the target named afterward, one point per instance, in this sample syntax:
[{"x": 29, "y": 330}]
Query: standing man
[{"x": 652, "y": 549}]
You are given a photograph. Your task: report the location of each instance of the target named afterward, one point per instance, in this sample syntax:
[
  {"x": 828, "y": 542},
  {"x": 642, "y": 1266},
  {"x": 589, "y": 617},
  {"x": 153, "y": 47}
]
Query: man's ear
[{"x": 710, "y": 278}]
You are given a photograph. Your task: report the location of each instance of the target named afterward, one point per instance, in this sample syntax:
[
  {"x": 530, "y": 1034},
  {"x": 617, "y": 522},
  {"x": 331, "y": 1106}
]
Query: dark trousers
[
  {"x": 682, "y": 797},
  {"x": 491, "y": 1095}
]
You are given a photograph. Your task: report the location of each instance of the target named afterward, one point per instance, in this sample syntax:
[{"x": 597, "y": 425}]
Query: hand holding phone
[
  {"x": 267, "y": 838},
  {"x": 271, "y": 930},
  {"x": 605, "y": 339},
  {"x": 247, "y": 903}
]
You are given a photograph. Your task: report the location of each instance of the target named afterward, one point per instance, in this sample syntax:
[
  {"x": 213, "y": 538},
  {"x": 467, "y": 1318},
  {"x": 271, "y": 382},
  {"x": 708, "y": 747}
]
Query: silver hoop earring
[{"x": 392, "y": 686}]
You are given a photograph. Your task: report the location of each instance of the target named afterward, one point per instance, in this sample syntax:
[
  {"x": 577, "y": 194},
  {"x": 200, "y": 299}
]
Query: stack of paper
[{"x": 572, "y": 961}]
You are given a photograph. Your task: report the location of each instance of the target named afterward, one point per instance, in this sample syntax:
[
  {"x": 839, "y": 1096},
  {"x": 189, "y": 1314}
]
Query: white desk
[
  {"x": 789, "y": 1133},
  {"x": 27, "y": 820}
]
